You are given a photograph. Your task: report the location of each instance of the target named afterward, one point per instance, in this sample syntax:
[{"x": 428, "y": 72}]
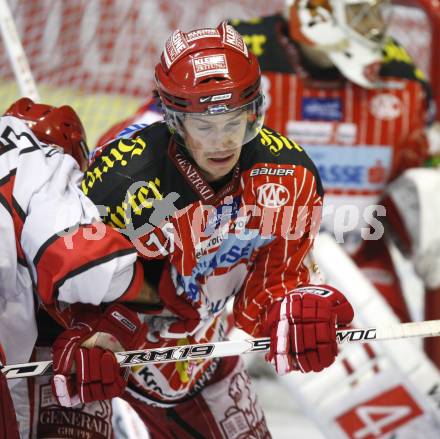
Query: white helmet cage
[
  {"x": 364, "y": 20},
  {"x": 351, "y": 32}
]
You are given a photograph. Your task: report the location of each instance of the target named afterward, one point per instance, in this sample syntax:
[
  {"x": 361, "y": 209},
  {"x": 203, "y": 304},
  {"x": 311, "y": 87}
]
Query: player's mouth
[{"x": 221, "y": 159}]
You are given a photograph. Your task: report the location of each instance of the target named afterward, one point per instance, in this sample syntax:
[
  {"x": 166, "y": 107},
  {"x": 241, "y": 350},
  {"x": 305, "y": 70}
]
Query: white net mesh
[{"x": 98, "y": 55}]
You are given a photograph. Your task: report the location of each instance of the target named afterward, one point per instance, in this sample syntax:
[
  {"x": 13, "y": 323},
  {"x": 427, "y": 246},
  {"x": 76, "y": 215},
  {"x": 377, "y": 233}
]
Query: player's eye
[
  {"x": 232, "y": 125},
  {"x": 204, "y": 128}
]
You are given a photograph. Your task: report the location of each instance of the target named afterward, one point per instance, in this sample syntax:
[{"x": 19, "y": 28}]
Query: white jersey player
[{"x": 47, "y": 248}]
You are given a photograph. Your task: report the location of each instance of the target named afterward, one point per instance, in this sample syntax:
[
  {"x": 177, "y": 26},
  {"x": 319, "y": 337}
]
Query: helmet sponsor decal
[
  {"x": 386, "y": 106},
  {"x": 215, "y": 98},
  {"x": 174, "y": 47},
  {"x": 232, "y": 38},
  {"x": 210, "y": 65},
  {"x": 202, "y": 33},
  {"x": 272, "y": 195}
]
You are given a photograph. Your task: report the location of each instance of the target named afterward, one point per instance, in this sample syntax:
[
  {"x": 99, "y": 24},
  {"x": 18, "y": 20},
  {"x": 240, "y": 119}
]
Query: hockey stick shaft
[
  {"x": 205, "y": 351},
  {"x": 17, "y": 56}
]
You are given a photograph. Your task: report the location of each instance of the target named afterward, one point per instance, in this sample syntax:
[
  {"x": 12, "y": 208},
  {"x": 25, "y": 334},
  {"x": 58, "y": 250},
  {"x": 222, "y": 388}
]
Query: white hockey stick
[
  {"x": 429, "y": 328},
  {"x": 18, "y": 59}
]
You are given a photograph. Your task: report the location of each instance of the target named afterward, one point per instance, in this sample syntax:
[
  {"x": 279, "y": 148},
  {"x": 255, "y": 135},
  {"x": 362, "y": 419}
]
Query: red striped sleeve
[{"x": 279, "y": 266}]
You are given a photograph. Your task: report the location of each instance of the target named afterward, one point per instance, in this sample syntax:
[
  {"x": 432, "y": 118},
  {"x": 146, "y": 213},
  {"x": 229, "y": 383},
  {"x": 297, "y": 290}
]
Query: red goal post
[{"x": 98, "y": 55}]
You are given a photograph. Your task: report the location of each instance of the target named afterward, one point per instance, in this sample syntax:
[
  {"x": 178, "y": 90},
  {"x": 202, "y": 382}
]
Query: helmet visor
[{"x": 219, "y": 125}]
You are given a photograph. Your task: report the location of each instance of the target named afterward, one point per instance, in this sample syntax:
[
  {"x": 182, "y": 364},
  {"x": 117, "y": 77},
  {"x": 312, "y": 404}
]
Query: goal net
[{"x": 98, "y": 55}]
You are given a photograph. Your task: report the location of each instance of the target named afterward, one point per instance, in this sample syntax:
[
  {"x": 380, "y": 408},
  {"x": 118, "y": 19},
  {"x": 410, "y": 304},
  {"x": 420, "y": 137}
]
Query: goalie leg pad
[{"x": 412, "y": 205}]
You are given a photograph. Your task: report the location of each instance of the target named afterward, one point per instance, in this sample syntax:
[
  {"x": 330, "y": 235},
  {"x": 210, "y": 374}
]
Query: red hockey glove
[
  {"x": 90, "y": 343},
  {"x": 302, "y": 328}
]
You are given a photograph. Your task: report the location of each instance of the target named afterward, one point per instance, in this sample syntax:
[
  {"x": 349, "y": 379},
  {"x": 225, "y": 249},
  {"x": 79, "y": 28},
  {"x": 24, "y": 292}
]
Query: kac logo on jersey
[
  {"x": 386, "y": 106},
  {"x": 272, "y": 195}
]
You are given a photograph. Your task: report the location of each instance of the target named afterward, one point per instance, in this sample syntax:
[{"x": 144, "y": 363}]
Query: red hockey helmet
[
  {"x": 60, "y": 126},
  {"x": 209, "y": 71}
]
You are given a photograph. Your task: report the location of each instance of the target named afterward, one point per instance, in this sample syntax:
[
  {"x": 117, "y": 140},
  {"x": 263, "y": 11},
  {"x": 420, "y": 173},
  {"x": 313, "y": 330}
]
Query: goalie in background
[
  {"x": 352, "y": 97},
  {"x": 344, "y": 89},
  {"x": 47, "y": 247}
]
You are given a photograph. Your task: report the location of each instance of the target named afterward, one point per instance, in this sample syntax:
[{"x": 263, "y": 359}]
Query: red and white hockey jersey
[
  {"x": 206, "y": 245},
  {"x": 52, "y": 243}
]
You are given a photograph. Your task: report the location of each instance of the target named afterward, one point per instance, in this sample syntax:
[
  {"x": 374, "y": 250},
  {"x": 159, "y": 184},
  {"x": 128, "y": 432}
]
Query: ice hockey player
[
  {"x": 219, "y": 208},
  {"x": 336, "y": 83},
  {"x": 52, "y": 244}
]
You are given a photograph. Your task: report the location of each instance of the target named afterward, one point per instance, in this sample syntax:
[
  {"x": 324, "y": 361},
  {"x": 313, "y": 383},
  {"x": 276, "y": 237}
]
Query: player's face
[{"x": 215, "y": 141}]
